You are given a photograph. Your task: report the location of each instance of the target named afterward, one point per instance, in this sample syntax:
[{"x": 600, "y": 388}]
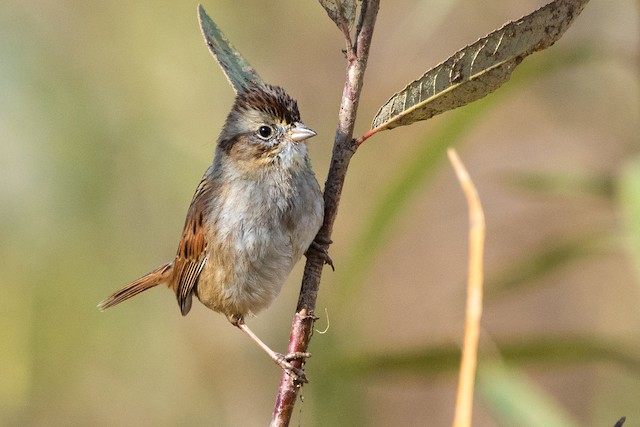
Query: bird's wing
[{"x": 192, "y": 250}]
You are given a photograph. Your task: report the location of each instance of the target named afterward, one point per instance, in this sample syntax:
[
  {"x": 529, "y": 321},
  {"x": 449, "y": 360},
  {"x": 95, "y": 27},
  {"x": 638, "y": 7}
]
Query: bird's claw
[
  {"x": 318, "y": 245},
  {"x": 284, "y": 361}
]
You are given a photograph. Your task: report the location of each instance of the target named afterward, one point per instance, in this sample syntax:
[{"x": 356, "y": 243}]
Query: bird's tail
[{"x": 156, "y": 277}]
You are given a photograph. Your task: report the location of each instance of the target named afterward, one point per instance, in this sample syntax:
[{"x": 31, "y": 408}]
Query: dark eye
[{"x": 265, "y": 131}]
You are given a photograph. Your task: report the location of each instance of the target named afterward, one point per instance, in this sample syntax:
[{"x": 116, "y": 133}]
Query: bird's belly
[
  {"x": 245, "y": 272},
  {"x": 256, "y": 235}
]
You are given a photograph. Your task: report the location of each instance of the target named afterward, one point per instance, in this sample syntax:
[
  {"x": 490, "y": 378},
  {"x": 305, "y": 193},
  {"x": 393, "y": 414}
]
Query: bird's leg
[
  {"x": 318, "y": 245},
  {"x": 284, "y": 361}
]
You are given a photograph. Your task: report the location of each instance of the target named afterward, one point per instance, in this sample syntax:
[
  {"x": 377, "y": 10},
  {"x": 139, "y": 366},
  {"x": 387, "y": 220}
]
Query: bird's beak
[{"x": 300, "y": 132}]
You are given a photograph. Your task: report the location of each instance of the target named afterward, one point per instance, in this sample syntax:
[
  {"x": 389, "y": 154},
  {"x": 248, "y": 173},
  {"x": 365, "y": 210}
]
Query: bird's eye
[{"x": 265, "y": 131}]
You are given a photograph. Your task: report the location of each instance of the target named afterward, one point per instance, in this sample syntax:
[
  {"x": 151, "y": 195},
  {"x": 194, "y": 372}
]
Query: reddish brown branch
[{"x": 343, "y": 149}]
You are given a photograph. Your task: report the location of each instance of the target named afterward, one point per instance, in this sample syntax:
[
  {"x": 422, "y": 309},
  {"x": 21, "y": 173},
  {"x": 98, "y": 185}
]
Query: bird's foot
[
  {"x": 284, "y": 361},
  {"x": 319, "y": 246}
]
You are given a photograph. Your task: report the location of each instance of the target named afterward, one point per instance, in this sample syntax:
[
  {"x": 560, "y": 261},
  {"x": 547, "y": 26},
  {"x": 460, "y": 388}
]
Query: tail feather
[{"x": 156, "y": 277}]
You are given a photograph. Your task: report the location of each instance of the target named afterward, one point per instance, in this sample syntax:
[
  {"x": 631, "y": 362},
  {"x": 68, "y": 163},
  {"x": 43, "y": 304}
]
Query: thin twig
[
  {"x": 343, "y": 149},
  {"x": 464, "y": 401}
]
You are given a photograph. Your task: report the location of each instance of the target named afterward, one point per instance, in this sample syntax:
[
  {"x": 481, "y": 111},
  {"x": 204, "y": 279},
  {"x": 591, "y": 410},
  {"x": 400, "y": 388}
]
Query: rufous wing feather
[{"x": 191, "y": 256}]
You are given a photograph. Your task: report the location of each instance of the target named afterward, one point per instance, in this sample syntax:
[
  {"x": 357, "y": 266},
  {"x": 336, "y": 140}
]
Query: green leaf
[
  {"x": 478, "y": 69},
  {"x": 550, "y": 258},
  {"x": 555, "y": 351},
  {"x": 563, "y": 184},
  {"x": 517, "y": 400},
  {"x": 629, "y": 199},
  {"x": 428, "y": 362},
  {"x": 342, "y": 12},
  {"x": 236, "y": 68}
]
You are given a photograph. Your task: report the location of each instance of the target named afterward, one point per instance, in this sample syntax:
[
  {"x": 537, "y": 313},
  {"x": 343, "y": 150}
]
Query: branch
[{"x": 343, "y": 149}]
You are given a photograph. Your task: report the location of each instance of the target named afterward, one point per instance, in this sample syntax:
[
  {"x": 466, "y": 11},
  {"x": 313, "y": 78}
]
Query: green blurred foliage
[
  {"x": 629, "y": 199},
  {"x": 108, "y": 114}
]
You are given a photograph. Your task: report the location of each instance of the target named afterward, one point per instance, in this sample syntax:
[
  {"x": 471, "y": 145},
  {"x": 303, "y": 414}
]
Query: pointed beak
[{"x": 300, "y": 132}]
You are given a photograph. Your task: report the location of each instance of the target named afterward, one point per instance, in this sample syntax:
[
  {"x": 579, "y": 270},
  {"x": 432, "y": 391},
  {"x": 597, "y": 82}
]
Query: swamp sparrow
[{"x": 253, "y": 216}]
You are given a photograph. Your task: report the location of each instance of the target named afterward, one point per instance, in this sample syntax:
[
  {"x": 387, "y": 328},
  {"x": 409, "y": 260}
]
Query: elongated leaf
[
  {"x": 563, "y": 184},
  {"x": 517, "y": 400},
  {"x": 236, "y": 68},
  {"x": 478, "y": 69},
  {"x": 342, "y": 12},
  {"x": 549, "y": 259},
  {"x": 629, "y": 200},
  {"x": 552, "y": 351}
]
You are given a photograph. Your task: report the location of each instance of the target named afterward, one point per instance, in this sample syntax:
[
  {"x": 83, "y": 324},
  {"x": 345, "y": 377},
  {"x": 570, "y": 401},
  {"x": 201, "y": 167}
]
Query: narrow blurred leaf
[
  {"x": 629, "y": 199},
  {"x": 429, "y": 361},
  {"x": 342, "y": 12},
  {"x": 551, "y": 258},
  {"x": 569, "y": 350},
  {"x": 478, "y": 69},
  {"x": 236, "y": 68},
  {"x": 563, "y": 184},
  {"x": 550, "y": 351},
  {"x": 517, "y": 400}
]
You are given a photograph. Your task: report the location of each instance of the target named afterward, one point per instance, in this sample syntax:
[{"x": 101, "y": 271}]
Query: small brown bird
[{"x": 253, "y": 216}]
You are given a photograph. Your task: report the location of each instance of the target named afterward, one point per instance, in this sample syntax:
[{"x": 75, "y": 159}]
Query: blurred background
[{"x": 109, "y": 112}]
